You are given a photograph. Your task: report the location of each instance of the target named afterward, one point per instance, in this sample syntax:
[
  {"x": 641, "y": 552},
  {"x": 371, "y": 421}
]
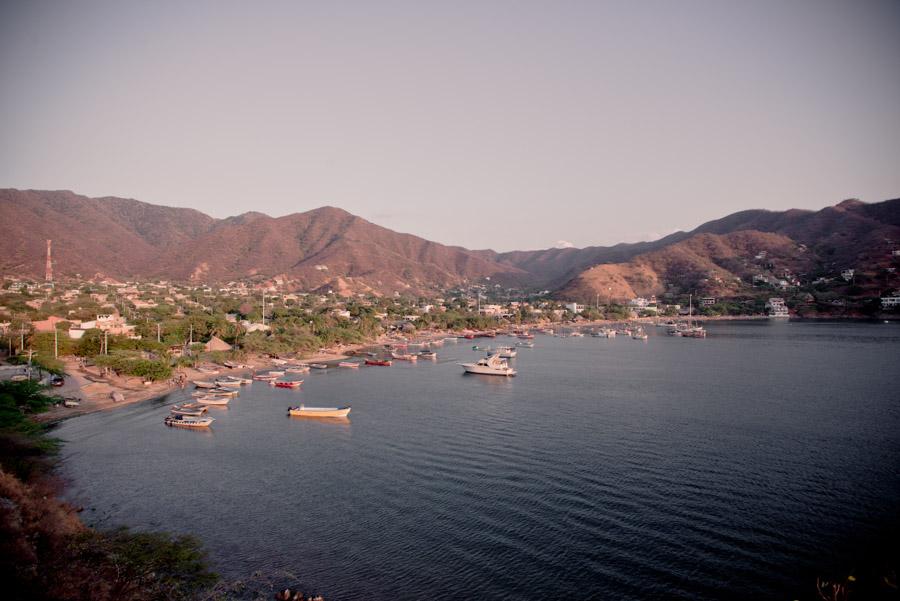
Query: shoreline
[{"x": 94, "y": 391}]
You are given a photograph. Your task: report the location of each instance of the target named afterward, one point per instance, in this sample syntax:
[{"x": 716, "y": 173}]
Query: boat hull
[
  {"x": 472, "y": 368},
  {"x": 319, "y": 411}
]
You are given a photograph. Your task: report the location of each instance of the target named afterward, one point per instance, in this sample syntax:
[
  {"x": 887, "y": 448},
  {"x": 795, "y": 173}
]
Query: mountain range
[{"x": 329, "y": 248}]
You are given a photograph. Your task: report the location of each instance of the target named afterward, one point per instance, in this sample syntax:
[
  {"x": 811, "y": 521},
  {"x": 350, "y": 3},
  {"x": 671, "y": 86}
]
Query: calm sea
[{"x": 737, "y": 467}]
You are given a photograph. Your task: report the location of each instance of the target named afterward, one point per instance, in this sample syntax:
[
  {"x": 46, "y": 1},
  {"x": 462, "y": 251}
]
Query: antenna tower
[{"x": 48, "y": 273}]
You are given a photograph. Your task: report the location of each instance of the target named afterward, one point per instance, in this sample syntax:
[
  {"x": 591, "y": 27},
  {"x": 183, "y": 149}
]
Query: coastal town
[{"x": 105, "y": 341}]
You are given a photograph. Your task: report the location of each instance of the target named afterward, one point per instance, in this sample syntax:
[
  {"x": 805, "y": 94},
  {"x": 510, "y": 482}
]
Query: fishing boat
[
  {"x": 287, "y": 383},
  {"x": 231, "y": 364},
  {"x": 228, "y": 384},
  {"x": 297, "y": 369},
  {"x": 240, "y": 381},
  {"x": 276, "y": 372},
  {"x": 191, "y": 405},
  {"x": 279, "y": 361},
  {"x": 525, "y": 336},
  {"x": 303, "y": 411},
  {"x": 404, "y": 357},
  {"x": 264, "y": 377},
  {"x": 639, "y": 334},
  {"x": 384, "y": 362},
  {"x": 182, "y": 421},
  {"x": 577, "y": 334},
  {"x": 428, "y": 354},
  {"x": 214, "y": 400},
  {"x": 525, "y": 344},
  {"x": 319, "y": 365},
  {"x": 204, "y": 384},
  {"x": 176, "y": 410},
  {"x": 349, "y": 364},
  {"x": 452, "y": 339},
  {"x": 489, "y": 366},
  {"x": 208, "y": 370},
  {"x": 506, "y": 352},
  {"x": 223, "y": 392}
]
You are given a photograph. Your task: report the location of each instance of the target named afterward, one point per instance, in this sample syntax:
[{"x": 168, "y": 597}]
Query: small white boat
[
  {"x": 489, "y": 366},
  {"x": 188, "y": 412},
  {"x": 276, "y": 372},
  {"x": 214, "y": 400},
  {"x": 279, "y": 361},
  {"x": 506, "y": 352},
  {"x": 577, "y": 334},
  {"x": 302, "y": 411},
  {"x": 349, "y": 364},
  {"x": 240, "y": 381},
  {"x": 225, "y": 392},
  {"x": 204, "y": 384},
  {"x": 228, "y": 383},
  {"x": 297, "y": 369},
  {"x": 318, "y": 365},
  {"x": 264, "y": 377},
  {"x": 182, "y": 421},
  {"x": 70, "y": 403},
  {"x": 525, "y": 344},
  {"x": 453, "y": 339}
]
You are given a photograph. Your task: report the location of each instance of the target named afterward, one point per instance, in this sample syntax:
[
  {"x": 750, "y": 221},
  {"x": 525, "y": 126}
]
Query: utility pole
[
  {"x": 105, "y": 342},
  {"x": 55, "y": 343},
  {"x": 157, "y": 333},
  {"x": 264, "y": 307},
  {"x": 192, "y": 334}
]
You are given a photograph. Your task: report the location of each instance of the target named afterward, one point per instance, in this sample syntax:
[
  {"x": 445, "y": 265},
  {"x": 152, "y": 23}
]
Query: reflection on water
[{"x": 727, "y": 468}]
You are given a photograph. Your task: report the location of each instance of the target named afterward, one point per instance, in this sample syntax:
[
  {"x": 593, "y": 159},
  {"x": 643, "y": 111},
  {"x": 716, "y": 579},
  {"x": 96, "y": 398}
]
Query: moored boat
[
  {"x": 319, "y": 365},
  {"x": 204, "y": 384},
  {"x": 297, "y": 369},
  {"x": 489, "y": 366},
  {"x": 176, "y": 410},
  {"x": 303, "y": 411},
  {"x": 404, "y": 357},
  {"x": 214, "y": 400},
  {"x": 506, "y": 352},
  {"x": 228, "y": 383},
  {"x": 428, "y": 354},
  {"x": 188, "y": 422},
  {"x": 349, "y": 364},
  {"x": 287, "y": 383},
  {"x": 385, "y": 362},
  {"x": 525, "y": 344}
]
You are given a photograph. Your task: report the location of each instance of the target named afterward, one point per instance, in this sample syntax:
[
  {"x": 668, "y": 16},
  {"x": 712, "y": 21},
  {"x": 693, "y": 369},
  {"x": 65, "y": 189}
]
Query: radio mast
[{"x": 48, "y": 273}]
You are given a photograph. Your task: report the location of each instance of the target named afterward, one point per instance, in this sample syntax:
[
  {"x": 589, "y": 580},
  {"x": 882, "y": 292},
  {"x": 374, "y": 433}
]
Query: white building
[
  {"x": 890, "y": 302},
  {"x": 575, "y": 308}
]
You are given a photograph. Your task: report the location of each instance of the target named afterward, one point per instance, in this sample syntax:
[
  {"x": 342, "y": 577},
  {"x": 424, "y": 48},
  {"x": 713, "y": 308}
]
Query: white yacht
[{"x": 489, "y": 366}]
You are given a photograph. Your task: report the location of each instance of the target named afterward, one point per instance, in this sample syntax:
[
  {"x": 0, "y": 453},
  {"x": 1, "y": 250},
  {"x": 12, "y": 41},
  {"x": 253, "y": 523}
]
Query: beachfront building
[
  {"x": 574, "y": 308},
  {"x": 890, "y": 302}
]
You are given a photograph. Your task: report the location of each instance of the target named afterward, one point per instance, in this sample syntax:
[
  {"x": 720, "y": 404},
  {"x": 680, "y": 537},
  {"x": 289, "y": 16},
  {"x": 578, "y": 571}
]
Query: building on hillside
[
  {"x": 707, "y": 301},
  {"x": 574, "y": 308},
  {"x": 776, "y": 307},
  {"x": 890, "y": 302}
]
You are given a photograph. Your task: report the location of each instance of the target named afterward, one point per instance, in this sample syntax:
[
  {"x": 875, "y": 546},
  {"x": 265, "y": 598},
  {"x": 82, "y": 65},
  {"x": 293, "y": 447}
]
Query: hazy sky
[{"x": 485, "y": 124}]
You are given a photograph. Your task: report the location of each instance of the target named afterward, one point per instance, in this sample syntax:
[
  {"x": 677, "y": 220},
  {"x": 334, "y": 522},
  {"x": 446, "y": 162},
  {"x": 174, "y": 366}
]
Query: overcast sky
[{"x": 511, "y": 125}]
